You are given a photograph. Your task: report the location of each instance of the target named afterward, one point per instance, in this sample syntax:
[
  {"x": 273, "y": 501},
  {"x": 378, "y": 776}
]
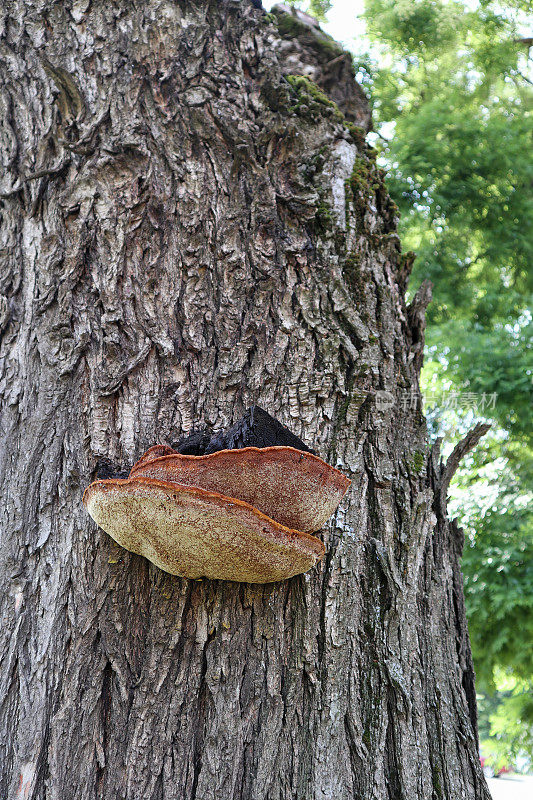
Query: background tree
[{"x": 185, "y": 232}]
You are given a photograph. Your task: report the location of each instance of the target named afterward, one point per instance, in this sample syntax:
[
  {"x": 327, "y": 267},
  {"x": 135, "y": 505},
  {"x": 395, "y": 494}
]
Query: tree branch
[{"x": 459, "y": 452}]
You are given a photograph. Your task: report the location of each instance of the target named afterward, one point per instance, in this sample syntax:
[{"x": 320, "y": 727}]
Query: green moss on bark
[
  {"x": 358, "y": 135},
  {"x": 324, "y": 218},
  {"x": 290, "y": 27},
  {"x": 357, "y": 188},
  {"x": 418, "y": 461},
  {"x": 311, "y": 102}
]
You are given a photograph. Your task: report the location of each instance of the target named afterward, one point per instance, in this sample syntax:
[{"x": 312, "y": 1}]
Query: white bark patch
[
  {"x": 19, "y": 597},
  {"x": 27, "y": 775},
  {"x": 79, "y": 7},
  {"x": 339, "y": 170}
]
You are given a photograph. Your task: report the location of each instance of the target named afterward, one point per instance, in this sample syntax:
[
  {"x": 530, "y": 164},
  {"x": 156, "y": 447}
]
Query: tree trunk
[{"x": 185, "y": 233}]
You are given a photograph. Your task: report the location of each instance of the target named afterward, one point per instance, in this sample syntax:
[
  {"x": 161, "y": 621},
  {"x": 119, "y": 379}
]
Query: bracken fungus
[{"x": 240, "y": 515}]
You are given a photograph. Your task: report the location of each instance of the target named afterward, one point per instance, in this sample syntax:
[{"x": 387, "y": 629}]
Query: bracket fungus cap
[
  {"x": 195, "y": 533},
  {"x": 296, "y": 488}
]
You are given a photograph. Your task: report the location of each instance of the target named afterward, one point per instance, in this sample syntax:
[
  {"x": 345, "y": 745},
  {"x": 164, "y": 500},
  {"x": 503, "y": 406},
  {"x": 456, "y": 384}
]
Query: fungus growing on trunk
[{"x": 241, "y": 514}]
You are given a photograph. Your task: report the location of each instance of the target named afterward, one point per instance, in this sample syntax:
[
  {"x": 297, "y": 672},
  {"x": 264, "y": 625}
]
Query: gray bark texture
[{"x": 186, "y": 231}]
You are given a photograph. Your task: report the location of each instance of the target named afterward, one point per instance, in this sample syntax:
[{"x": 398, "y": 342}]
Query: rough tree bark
[{"x": 186, "y": 232}]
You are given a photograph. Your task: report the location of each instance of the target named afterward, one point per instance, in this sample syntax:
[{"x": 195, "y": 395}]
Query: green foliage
[
  {"x": 493, "y": 359},
  {"x": 506, "y": 717},
  {"x": 466, "y": 187},
  {"x": 458, "y": 165},
  {"x": 407, "y": 26},
  {"x": 498, "y": 567}
]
